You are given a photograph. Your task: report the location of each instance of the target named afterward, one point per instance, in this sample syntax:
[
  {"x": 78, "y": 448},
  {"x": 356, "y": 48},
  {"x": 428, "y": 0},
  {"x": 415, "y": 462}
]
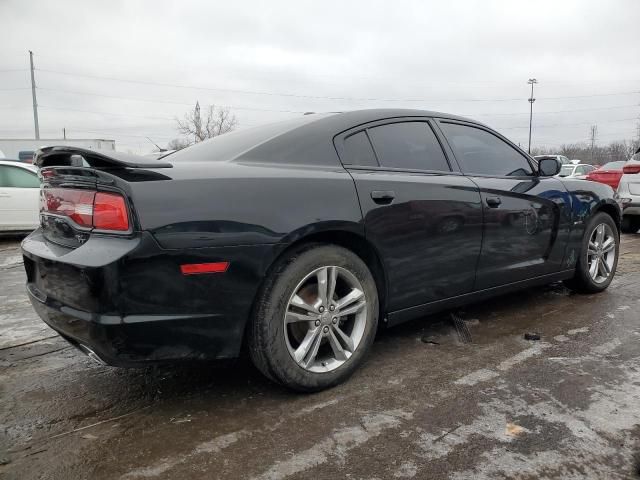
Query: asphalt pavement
[{"x": 437, "y": 399}]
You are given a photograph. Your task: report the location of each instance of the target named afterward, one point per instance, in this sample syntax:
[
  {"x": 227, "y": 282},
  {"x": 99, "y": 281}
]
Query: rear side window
[
  {"x": 410, "y": 145},
  {"x": 358, "y": 150},
  {"x": 480, "y": 152},
  {"x": 17, "y": 178}
]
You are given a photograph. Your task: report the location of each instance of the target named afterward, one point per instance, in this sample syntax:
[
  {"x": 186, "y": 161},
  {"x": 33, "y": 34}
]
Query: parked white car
[
  {"x": 629, "y": 194},
  {"x": 19, "y": 197},
  {"x": 576, "y": 170}
]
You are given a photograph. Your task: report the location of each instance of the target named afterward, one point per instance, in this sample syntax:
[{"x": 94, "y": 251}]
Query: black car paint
[{"x": 124, "y": 296}]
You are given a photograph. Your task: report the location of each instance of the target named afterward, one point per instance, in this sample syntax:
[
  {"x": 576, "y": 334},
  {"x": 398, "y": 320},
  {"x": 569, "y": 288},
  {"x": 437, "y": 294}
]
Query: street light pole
[{"x": 531, "y": 82}]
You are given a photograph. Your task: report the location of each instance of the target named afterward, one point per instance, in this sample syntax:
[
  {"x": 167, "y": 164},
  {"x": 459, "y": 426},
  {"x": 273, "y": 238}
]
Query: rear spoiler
[{"x": 80, "y": 157}]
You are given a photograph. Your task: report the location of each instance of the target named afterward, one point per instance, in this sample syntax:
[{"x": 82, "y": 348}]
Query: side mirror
[{"x": 548, "y": 167}]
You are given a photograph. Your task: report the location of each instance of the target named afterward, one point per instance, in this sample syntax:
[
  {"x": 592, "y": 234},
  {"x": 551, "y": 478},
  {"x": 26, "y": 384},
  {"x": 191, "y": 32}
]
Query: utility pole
[
  {"x": 33, "y": 95},
  {"x": 531, "y": 82},
  {"x": 593, "y": 133}
]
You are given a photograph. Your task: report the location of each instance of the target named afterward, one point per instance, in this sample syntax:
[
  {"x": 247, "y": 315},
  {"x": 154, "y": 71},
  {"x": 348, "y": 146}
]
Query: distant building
[{"x": 23, "y": 148}]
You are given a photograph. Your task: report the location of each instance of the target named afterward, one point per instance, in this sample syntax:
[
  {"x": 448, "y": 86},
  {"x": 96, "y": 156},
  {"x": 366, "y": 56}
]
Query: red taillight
[
  {"x": 633, "y": 168},
  {"x": 75, "y": 204},
  {"x": 196, "y": 268},
  {"x": 87, "y": 208},
  {"x": 110, "y": 212}
]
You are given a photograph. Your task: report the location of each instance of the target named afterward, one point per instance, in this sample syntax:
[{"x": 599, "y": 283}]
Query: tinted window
[
  {"x": 358, "y": 150},
  {"x": 230, "y": 145},
  {"x": 18, "y": 177},
  {"x": 410, "y": 145},
  {"x": 480, "y": 152}
]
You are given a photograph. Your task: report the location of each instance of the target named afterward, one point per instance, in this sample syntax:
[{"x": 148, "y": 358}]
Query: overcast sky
[{"x": 126, "y": 69}]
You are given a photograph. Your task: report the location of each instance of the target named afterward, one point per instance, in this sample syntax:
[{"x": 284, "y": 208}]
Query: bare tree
[
  {"x": 177, "y": 144},
  {"x": 198, "y": 127}
]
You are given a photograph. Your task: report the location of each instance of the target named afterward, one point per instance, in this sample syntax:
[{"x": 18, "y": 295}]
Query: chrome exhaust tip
[{"x": 91, "y": 354}]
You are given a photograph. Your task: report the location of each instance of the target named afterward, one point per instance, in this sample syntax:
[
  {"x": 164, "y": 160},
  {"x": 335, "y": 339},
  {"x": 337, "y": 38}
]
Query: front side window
[
  {"x": 482, "y": 153},
  {"x": 408, "y": 145},
  {"x": 17, "y": 178}
]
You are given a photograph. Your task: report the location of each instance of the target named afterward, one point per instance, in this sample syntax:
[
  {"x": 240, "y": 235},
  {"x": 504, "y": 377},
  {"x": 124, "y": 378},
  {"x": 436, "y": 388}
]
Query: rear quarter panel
[{"x": 218, "y": 204}]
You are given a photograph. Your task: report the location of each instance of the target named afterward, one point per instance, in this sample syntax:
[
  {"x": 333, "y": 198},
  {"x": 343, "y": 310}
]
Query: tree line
[{"x": 619, "y": 150}]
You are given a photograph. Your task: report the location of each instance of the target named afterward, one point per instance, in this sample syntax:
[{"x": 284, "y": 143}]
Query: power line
[
  {"x": 564, "y": 124},
  {"x": 105, "y": 113},
  {"x": 172, "y": 118},
  {"x": 320, "y": 97},
  {"x": 235, "y": 107}
]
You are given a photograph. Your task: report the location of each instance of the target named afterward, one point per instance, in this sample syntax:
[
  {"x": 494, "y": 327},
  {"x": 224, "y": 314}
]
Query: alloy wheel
[
  {"x": 601, "y": 253},
  {"x": 325, "y": 319}
]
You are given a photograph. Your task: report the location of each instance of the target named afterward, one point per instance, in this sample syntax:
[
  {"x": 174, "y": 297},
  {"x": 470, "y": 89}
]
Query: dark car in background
[{"x": 300, "y": 238}]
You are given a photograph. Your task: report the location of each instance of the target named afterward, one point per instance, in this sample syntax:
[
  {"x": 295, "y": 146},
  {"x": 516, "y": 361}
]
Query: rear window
[
  {"x": 410, "y": 145},
  {"x": 566, "y": 171},
  {"x": 230, "y": 145},
  {"x": 613, "y": 166}
]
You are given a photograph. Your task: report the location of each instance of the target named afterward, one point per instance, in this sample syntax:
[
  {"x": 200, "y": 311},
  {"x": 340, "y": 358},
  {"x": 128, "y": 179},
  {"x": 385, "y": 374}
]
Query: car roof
[
  {"x": 307, "y": 139},
  {"x": 16, "y": 163}
]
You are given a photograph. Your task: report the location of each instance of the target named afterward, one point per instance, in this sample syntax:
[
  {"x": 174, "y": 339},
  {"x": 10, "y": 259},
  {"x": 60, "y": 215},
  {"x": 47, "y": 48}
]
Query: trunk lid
[{"x": 85, "y": 192}]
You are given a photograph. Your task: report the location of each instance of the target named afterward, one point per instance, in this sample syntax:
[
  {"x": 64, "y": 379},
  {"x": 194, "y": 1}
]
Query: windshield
[
  {"x": 566, "y": 171},
  {"x": 613, "y": 166}
]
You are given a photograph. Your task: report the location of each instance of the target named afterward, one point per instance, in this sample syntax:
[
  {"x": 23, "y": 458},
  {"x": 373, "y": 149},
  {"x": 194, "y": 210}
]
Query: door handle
[
  {"x": 493, "y": 202},
  {"x": 383, "y": 197}
]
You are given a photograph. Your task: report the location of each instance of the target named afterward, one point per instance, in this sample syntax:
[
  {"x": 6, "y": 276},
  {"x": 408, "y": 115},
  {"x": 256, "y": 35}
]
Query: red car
[{"x": 609, "y": 174}]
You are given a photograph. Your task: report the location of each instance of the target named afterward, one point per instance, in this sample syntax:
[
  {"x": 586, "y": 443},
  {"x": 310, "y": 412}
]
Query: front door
[
  {"x": 527, "y": 218},
  {"x": 423, "y": 217},
  {"x": 19, "y": 198}
]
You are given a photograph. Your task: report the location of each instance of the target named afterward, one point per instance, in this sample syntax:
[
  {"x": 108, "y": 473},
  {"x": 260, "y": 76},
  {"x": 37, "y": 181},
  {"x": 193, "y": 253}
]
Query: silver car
[{"x": 629, "y": 193}]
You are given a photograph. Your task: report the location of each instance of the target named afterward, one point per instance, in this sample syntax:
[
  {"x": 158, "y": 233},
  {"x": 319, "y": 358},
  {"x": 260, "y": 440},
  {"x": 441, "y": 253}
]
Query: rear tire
[
  {"x": 299, "y": 335},
  {"x": 630, "y": 224},
  {"x": 598, "y": 256}
]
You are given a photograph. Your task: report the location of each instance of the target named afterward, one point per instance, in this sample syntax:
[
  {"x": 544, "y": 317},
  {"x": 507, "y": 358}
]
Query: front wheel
[
  {"x": 315, "y": 319},
  {"x": 598, "y": 257}
]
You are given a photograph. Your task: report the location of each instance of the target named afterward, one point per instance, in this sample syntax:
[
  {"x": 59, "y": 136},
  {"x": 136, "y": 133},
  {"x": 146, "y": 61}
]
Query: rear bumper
[
  {"x": 126, "y": 300},
  {"x": 129, "y": 342}
]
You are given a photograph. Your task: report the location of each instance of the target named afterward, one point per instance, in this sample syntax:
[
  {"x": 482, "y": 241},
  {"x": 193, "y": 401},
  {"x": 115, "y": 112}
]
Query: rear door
[
  {"x": 527, "y": 218},
  {"x": 19, "y": 198},
  {"x": 423, "y": 217}
]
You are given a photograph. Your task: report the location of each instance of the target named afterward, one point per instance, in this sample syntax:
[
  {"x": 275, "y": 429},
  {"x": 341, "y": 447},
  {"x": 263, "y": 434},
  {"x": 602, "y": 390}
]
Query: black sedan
[{"x": 298, "y": 239}]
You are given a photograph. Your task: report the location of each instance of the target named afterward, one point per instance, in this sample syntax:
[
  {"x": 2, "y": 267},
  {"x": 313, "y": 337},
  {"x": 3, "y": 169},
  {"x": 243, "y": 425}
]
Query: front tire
[
  {"x": 315, "y": 318},
  {"x": 598, "y": 258}
]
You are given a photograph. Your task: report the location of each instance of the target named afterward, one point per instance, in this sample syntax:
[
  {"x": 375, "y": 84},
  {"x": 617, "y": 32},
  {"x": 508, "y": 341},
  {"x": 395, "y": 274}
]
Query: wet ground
[{"x": 426, "y": 405}]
